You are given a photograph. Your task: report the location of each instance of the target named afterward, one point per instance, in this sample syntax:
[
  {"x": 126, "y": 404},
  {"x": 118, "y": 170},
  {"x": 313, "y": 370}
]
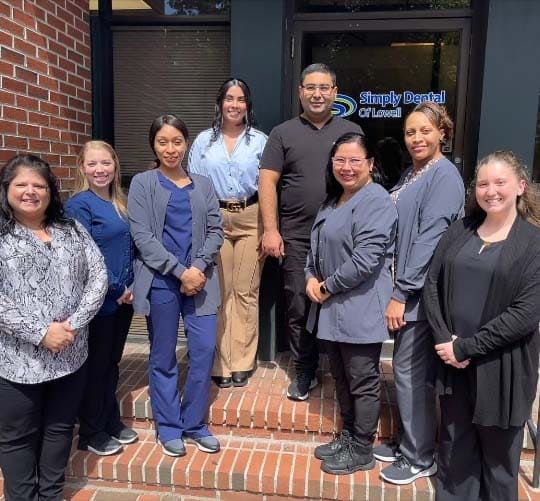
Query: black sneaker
[
  {"x": 327, "y": 450},
  {"x": 101, "y": 444},
  {"x": 352, "y": 457},
  {"x": 299, "y": 389},
  {"x": 387, "y": 452},
  {"x": 402, "y": 472},
  {"x": 125, "y": 436}
]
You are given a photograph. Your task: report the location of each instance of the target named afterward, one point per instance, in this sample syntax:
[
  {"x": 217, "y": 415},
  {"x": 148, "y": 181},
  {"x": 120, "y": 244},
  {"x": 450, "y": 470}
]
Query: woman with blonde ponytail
[{"x": 100, "y": 205}]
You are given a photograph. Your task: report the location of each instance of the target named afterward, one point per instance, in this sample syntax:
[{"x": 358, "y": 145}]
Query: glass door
[{"x": 385, "y": 67}]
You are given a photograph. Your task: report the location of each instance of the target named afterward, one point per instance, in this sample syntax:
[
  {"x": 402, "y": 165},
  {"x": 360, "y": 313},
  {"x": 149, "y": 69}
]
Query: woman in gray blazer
[
  {"x": 176, "y": 226},
  {"x": 349, "y": 281}
]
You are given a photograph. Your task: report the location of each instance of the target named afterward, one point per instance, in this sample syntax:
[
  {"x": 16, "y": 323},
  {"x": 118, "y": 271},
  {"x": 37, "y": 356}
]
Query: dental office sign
[{"x": 385, "y": 105}]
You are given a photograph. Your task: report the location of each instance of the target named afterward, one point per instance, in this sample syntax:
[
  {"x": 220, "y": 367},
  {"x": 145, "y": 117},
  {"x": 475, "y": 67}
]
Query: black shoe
[
  {"x": 327, "y": 450},
  {"x": 101, "y": 444},
  {"x": 222, "y": 382},
  {"x": 387, "y": 452},
  {"x": 352, "y": 457},
  {"x": 125, "y": 435},
  {"x": 240, "y": 378},
  {"x": 299, "y": 389}
]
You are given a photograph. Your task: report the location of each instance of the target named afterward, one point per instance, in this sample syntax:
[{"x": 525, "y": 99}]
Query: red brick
[
  {"x": 45, "y": 29},
  {"x": 29, "y": 131},
  {"x": 48, "y": 56},
  {"x": 11, "y": 55},
  {"x": 7, "y": 127},
  {"x": 34, "y": 11},
  {"x": 11, "y": 27},
  {"x": 38, "y": 118},
  {"x": 38, "y": 92},
  {"x": 36, "y": 65},
  {"x": 55, "y": 22},
  {"x": 58, "y": 74},
  {"x": 39, "y": 145},
  {"x": 75, "y": 80},
  {"x": 14, "y": 113},
  {"x": 13, "y": 85},
  {"x": 6, "y": 39},
  {"x": 24, "y": 18},
  {"x": 77, "y": 127},
  {"x": 53, "y": 161},
  {"x": 67, "y": 89},
  {"x": 59, "y": 123},
  {"x": 85, "y": 95},
  {"x": 26, "y": 75},
  {"x": 47, "y": 107},
  {"x": 20, "y": 143},
  {"x": 6, "y": 68},
  {"x": 22, "y": 46},
  {"x": 57, "y": 48},
  {"x": 36, "y": 38},
  {"x": 5, "y": 10},
  {"x": 66, "y": 64},
  {"x": 58, "y": 98},
  {"x": 6, "y": 154}
]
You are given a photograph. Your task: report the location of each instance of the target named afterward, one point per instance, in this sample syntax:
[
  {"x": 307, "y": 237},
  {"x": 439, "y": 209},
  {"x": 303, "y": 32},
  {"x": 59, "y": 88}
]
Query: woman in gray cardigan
[
  {"x": 428, "y": 197},
  {"x": 348, "y": 278},
  {"x": 176, "y": 226}
]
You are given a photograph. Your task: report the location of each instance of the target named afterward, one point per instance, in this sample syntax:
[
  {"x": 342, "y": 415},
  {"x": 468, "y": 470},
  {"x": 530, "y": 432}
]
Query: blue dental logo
[{"x": 344, "y": 106}]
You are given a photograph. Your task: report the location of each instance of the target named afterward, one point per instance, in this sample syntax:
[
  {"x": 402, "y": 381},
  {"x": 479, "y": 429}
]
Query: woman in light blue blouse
[
  {"x": 229, "y": 153},
  {"x": 101, "y": 206}
]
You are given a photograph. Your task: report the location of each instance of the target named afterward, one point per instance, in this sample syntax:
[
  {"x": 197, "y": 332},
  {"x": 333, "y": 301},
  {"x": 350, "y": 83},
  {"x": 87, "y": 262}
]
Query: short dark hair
[
  {"x": 333, "y": 189},
  {"x": 54, "y": 214},
  {"x": 437, "y": 115},
  {"x": 318, "y": 68},
  {"x": 249, "y": 119},
  {"x": 158, "y": 124}
]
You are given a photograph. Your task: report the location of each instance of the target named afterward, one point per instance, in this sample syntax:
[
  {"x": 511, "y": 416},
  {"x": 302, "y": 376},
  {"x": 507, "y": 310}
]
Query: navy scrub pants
[{"x": 175, "y": 416}]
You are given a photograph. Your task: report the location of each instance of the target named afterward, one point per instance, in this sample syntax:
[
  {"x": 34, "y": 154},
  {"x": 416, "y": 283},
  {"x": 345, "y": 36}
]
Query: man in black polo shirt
[{"x": 296, "y": 156}]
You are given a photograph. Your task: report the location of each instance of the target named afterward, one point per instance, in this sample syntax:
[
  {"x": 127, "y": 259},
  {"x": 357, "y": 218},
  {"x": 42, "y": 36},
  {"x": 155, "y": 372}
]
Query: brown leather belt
[{"x": 236, "y": 205}]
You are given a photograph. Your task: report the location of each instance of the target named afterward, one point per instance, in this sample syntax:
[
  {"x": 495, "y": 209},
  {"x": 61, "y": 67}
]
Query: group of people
[{"x": 460, "y": 295}]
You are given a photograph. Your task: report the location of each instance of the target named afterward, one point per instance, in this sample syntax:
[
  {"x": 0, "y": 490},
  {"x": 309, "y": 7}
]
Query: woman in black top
[{"x": 482, "y": 299}]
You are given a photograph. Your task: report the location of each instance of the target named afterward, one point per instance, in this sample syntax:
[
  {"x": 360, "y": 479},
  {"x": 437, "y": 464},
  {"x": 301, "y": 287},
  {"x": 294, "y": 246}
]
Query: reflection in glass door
[{"x": 384, "y": 68}]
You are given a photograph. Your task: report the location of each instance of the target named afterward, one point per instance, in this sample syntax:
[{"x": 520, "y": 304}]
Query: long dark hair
[
  {"x": 54, "y": 214},
  {"x": 527, "y": 205},
  {"x": 249, "y": 119},
  {"x": 333, "y": 189},
  {"x": 156, "y": 126}
]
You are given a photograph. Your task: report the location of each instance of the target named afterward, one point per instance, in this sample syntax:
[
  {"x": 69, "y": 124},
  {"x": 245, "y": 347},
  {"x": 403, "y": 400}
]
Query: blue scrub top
[{"x": 176, "y": 229}]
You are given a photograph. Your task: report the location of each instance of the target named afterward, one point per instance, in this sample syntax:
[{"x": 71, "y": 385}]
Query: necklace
[
  {"x": 412, "y": 177},
  {"x": 485, "y": 245}
]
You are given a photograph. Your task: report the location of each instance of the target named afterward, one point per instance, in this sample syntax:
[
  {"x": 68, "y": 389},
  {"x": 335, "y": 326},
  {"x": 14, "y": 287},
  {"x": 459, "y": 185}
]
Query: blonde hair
[
  {"x": 527, "y": 205},
  {"x": 118, "y": 197}
]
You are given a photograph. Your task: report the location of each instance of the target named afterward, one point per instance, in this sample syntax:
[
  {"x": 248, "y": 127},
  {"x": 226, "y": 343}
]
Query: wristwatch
[{"x": 323, "y": 289}]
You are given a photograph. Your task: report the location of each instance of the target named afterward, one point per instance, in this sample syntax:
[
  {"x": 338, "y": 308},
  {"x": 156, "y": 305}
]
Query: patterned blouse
[{"x": 41, "y": 283}]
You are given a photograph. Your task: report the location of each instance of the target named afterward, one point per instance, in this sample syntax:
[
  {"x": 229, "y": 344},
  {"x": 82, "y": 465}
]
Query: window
[{"x": 378, "y": 5}]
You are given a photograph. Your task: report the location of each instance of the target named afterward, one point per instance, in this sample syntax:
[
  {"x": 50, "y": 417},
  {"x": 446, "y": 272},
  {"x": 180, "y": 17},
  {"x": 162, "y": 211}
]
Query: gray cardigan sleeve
[
  {"x": 214, "y": 229},
  {"x": 443, "y": 204},
  {"x": 152, "y": 251},
  {"x": 373, "y": 231}
]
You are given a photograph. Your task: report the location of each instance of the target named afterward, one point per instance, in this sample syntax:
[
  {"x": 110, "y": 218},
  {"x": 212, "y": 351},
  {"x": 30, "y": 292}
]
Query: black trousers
[
  {"x": 99, "y": 409},
  {"x": 475, "y": 462},
  {"x": 36, "y": 431},
  {"x": 303, "y": 344},
  {"x": 355, "y": 368}
]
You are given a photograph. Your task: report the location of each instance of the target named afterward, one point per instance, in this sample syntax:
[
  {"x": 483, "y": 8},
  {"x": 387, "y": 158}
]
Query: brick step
[
  {"x": 246, "y": 467},
  {"x": 261, "y": 405}
]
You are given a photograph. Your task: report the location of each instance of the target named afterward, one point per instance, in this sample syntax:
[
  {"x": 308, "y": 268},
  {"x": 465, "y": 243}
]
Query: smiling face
[
  {"x": 234, "y": 106},
  {"x": 497, "y": 189},
  {"x": 317, "y": 104},
  {"x": 28, "y": 196},
  {"x": 422, "y": 138},
  {"x": 99, "y": 169},
  {"x": 351, "y": 168},
  {"x": 170, "y": 147}
]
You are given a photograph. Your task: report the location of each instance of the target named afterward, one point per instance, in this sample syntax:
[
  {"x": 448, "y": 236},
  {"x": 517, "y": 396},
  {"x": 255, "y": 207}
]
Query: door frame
[{"x": 405, "y": 24}]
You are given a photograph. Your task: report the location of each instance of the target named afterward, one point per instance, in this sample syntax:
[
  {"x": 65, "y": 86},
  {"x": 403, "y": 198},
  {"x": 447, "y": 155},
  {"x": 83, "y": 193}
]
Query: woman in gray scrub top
[
  {"x": 348, "y": 275},
  {"x": 428, "y": 197}
]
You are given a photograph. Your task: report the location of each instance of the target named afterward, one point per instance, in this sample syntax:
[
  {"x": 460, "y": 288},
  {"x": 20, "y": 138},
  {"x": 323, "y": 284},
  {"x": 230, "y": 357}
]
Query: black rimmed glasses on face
[
  {"x": 353, "y": 162},
  {"x": 324, "y": 89}
]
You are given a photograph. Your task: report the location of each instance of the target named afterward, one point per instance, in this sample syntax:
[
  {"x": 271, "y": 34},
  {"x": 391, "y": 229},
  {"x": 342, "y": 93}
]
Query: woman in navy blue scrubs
[{"x": 176, "y": 225}]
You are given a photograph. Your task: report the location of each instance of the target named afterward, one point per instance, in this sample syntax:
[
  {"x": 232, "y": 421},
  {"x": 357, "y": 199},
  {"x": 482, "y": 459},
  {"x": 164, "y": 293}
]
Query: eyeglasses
[
  {"x": 324, "y": 89},
  {"x": 353, "y": 162}
]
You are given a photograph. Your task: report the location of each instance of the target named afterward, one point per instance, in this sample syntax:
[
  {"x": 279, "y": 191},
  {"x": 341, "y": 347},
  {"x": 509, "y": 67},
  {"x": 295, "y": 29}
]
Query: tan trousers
[{"x": 240, "y": 275}]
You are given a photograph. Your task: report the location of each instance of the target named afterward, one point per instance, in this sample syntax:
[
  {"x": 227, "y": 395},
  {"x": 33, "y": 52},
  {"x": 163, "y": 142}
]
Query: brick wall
[{"x": 45, "y": 94}]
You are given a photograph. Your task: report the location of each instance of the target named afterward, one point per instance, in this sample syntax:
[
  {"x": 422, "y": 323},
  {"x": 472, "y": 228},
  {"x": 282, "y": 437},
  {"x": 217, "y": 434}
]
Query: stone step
[{"x": 260, "y": 407}]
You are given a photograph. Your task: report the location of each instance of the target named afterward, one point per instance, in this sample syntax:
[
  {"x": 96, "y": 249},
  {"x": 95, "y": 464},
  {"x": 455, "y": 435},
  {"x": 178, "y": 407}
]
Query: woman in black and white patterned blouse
[{"x": 52, "y": 282}]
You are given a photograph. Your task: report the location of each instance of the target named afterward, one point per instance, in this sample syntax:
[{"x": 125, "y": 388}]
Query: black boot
[
  {"x": 331, "y": 449},
  {"x": 352, "y": 457}
]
